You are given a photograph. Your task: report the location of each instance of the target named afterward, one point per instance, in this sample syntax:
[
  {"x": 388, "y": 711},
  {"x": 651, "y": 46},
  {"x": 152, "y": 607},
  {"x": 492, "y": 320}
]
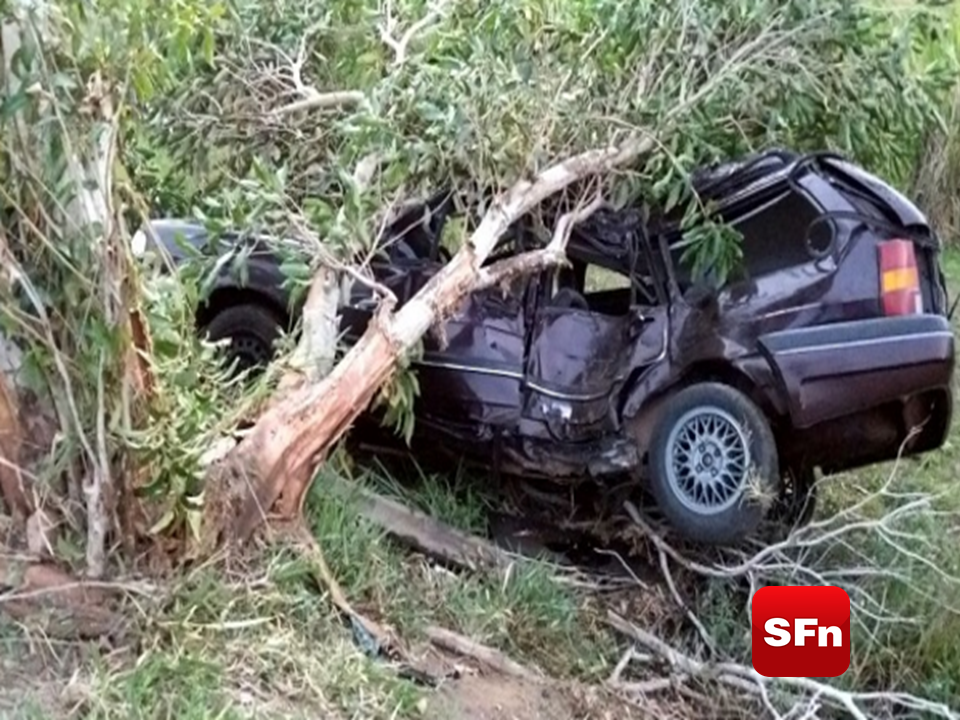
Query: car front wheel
[
  {"x": 251, "y": 330},
  {"x": 713, "y": 464}
]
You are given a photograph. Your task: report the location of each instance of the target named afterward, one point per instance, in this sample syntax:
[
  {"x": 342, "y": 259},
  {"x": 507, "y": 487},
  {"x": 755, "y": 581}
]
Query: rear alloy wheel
[
  {"x": 251, "y": 329},
  {"x": 713, "y": 464}
]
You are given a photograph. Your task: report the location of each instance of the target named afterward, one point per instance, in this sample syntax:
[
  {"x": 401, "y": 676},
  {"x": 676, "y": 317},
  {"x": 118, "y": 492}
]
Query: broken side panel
[
  {"x": 471, "y": 372},
  {"x": 577, "y": 359}
]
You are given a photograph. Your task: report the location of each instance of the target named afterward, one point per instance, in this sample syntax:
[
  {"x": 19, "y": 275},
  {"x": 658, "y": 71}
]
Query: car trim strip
[
  {"x": 513, "y": 375},
  {"x": 863, "y": 343},
  {"x": 587, "y": 397}
]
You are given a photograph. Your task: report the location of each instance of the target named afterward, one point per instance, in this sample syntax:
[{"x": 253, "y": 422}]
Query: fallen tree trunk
[
  {"x": 430, "y": 536},
  {"x": 282, "y": 450}
]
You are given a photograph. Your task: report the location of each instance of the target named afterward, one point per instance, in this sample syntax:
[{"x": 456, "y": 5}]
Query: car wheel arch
[
  {"x": 641, "y": 423},
  {"x": 227, "y": 296},
  {"x": 726, "y": 373}
]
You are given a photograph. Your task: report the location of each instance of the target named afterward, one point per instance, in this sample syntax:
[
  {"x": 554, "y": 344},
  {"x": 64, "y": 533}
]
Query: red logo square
[{"x": 801, "y": 631}]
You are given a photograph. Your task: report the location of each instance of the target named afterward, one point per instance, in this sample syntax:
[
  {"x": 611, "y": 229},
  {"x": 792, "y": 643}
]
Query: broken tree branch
[
  {"x": 749, "y": 680},
  {"x": 285, "y": 444},
  {"x": 326, "y": 579},
  {"x": 428, "y": 535},
  {"x": 389, "y": 25},
  {"x": 315, "y": 353},
  {"x": 795, "y": 555},
  {"x": 503, "y": 272},
  {"x": 310, "y": 97},
  {"x": 809, "y": 555},
  {"x": 315, "y": 100}
]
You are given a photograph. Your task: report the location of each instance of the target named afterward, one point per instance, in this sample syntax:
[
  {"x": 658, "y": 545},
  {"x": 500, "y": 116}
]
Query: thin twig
[
  {"x": 400, "y": 46},
  {"x": 310, "y": 97}
]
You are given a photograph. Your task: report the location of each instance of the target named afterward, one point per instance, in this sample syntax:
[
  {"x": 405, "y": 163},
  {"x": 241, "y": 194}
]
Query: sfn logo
[{"x": 801, "y": 631}]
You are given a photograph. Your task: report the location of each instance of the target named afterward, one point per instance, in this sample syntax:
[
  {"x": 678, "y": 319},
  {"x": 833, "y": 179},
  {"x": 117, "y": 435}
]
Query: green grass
[
  {"x": 528, "y": 613},
  {"x": 265, "y": 641},
  {"x": 260, "y": 643},
  {"x": 460, "y": 499}
]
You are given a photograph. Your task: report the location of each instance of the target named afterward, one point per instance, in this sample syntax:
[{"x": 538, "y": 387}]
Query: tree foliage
[
  {"x": 75, "y": 74},
  {"x": 491, "y": 91},
  {"x": 257, "y": 113}
]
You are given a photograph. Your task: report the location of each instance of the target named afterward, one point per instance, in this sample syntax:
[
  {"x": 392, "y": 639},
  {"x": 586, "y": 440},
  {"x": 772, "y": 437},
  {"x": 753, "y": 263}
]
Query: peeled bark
[
  {"x": 313, "y": 357},
  {"x": 11, "y": 440},
  {"x": 282, "y": 450}
]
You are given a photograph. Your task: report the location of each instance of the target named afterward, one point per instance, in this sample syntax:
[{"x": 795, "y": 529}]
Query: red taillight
[{"x": 899, "y": 278}]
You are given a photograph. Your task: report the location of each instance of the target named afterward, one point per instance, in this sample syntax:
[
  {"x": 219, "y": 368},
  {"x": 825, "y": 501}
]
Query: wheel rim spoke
[{"x": 708, "y": 460}]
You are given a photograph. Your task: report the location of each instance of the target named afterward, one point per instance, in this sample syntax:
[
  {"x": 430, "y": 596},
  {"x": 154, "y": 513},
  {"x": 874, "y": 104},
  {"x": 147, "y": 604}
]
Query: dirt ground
[
  {"x": 495, "y": 697},
  {"x": 480, "y": 693}
]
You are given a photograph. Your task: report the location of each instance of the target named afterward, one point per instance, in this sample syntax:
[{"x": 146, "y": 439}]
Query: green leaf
[
  {"x": 13, "y": 104},
  {"x": 165, "y": 521}
]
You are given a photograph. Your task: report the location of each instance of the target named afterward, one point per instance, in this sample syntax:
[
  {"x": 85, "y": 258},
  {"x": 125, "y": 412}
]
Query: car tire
[
  {"x": 251, "y": 329},
  {"x": 796, "y": 508},
  {"x": 713, "y": 464}
]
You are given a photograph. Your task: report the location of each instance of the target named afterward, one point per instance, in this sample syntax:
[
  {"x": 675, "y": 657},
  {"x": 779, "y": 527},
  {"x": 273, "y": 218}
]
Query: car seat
[{"x": 569, "y": 298}]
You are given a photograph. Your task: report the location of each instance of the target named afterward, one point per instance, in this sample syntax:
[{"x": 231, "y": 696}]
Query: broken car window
[{"x": 775, "y": 233}]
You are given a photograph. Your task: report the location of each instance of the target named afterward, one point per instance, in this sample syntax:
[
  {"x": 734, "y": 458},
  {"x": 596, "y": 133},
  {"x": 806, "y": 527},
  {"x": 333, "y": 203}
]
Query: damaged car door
[
  {"x": 576, "y": 361},
  {"x": 588, "y": 340},
  {"x": 471, "y": 370}
]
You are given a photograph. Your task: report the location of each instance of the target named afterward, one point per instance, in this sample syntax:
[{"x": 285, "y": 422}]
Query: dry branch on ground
[
  {"x": 429, "y": 535},
  {"x": 806, "y": 556},
  {"x": 488, "y": 656},
  {"x": 808, "y": 695},
  {"x": 59, "y": 604}
]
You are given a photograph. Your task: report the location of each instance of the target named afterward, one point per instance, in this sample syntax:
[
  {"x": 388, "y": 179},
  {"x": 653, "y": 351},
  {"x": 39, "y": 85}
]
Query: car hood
[{"x": 170, "y": 234}]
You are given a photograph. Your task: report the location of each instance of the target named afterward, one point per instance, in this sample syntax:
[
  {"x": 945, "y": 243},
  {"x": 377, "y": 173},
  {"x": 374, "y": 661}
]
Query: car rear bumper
[{"x": 831, "y": 371}]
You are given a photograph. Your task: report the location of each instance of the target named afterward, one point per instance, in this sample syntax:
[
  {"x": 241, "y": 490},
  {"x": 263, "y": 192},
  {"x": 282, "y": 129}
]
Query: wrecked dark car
[{"x": 830, "y": 349}]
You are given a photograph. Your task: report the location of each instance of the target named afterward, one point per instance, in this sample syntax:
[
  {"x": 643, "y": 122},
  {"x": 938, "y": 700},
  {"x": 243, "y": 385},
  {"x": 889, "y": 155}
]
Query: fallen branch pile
[{"x": 828, "y": 551}]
